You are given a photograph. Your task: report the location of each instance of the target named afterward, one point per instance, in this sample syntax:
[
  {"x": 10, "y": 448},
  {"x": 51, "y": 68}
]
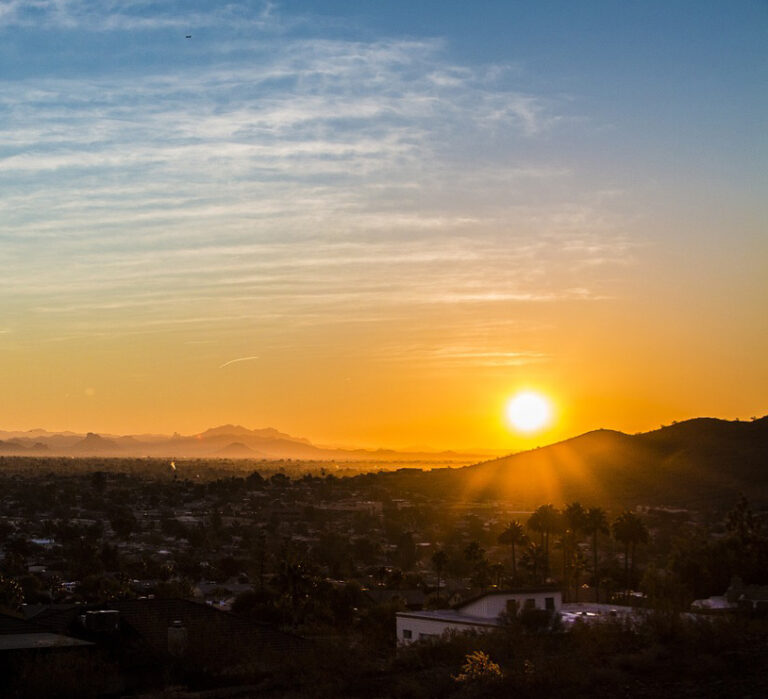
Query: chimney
[{"x": 177, "y": 639}]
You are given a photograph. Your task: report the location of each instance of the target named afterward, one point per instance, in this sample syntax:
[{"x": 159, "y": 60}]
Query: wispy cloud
[
  {"x": 464, "y": 356},
  {"x": 303, "y": 180},
  {"x": 112, "y": 15}
]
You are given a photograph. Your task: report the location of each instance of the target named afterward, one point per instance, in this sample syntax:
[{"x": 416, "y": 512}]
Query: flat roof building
[{"x": 481, "y": 613}]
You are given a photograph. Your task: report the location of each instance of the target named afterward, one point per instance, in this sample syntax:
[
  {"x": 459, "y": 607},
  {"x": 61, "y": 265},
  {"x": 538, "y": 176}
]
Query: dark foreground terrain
[{"x": 138, "y": 577}]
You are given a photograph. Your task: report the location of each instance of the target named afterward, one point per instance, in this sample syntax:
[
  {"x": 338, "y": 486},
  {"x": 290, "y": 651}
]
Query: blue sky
[{"x": 442, "y": 187}]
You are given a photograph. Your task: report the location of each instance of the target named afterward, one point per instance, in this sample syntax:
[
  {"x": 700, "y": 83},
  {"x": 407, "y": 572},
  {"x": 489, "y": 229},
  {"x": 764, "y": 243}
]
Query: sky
[{"x": 371, "y": 223}]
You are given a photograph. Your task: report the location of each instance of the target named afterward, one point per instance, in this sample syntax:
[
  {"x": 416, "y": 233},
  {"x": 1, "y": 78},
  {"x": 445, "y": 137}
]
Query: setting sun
[{"x": 529, "y": 411}]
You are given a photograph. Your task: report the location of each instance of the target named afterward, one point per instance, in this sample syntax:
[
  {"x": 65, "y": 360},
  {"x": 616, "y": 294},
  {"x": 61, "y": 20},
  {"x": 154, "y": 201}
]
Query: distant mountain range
[
  {"x": 697, "y": 463},
  {"x": 224, "y": 442}
]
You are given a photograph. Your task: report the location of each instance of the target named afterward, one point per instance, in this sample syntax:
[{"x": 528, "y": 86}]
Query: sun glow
[{"x": 529, "y": 411}]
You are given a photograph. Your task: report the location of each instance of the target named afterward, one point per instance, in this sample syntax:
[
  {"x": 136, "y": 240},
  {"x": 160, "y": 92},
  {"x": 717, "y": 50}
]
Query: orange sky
[{"x": 373, "y": 234}]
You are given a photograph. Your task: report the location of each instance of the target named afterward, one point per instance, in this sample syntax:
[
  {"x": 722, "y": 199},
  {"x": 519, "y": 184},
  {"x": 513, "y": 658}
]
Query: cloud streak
[{"x": 235, "y": 361}]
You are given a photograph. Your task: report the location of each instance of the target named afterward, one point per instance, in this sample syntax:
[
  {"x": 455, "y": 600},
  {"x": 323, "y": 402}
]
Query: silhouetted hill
[
  {"x": 14, "y": 447},
  {"x": 94, "y": 445},
  {"x": 263, "y": 443},
  {"x": 692, "y": 462},
  {"x": 265, "y": 433}
]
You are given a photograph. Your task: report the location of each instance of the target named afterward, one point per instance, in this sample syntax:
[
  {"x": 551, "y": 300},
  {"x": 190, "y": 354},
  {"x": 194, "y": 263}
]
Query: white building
[{"x": 481, "y": 613}]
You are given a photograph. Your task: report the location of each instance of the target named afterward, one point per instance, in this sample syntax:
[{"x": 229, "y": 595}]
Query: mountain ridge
[
  {"x": 698, "y": 459},
  {"x": 213, "y": 443}
]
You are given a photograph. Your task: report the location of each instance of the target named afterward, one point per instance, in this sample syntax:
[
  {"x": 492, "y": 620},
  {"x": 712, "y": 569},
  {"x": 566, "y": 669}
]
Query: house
[
  {"x": 33, "y": 660},
  {"x": 481, "y": 613},
  {"x": 747, "y": 598},
  {"x": 738, "y": 597},
  {"x": 147, "y": 638},
  {"x": 21, "y": 635}
]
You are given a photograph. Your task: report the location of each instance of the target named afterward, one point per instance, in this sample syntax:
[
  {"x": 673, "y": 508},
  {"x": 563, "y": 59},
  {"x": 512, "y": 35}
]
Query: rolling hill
[{"x": 693, "y": 463}]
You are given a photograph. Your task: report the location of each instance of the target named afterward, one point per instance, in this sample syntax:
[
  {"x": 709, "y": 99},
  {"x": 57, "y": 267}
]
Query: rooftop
[
  {"x": 452, "y": 616},
  {"x": 23, "y": 641}
]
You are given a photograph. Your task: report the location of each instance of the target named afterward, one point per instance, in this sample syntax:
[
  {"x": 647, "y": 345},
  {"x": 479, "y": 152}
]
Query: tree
[
  {"x": 596, "y": 522},
  {"x": 497, "y": 571},
  {"x": 439, "y": 560},
  {"x": 573, "y": 525},
  {"x": 11, "y": 595},
  {"x": 279, "y": 480},
  {"x": 255, "y": 481},
  {"x": 544, "y": 521},
  {"x": 294, "y": 581},
  {"x": 473, "y": 552},
  {"x": 258, "y": 556},
  {"x": 99, "y": 481},
  {"x": 513, "y": 536},
  {"x": 568, "y": 544},
  {"x": 629, "y": 530},
  {"x": 123, "y": 523},
  {"x": 406, "y": 553},
  {"x": 532, "y": 560},
  {"x": 741, "y": 522},
  {"x": 575, "y": 518},
  {"x": 478, "y": 668}
]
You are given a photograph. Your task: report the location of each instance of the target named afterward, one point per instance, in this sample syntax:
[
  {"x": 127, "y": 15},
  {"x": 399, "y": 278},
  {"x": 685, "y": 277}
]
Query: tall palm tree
[
  {"x": 575, "y": 517},
  {"x": 439, "y": 561},
  {"x": 545, "y": 520},
  {"x": 568, "y": 544},
  {"x": 497, "y": 571},
  {"x": 294, "y": 581},
  {"x": 532, "y": 560},
  {"x": 630, "y": 531},
  {"x": 513, "y": 536},
  {"x": 596, "y": 522},
  {"x": 573, "y": 526}
]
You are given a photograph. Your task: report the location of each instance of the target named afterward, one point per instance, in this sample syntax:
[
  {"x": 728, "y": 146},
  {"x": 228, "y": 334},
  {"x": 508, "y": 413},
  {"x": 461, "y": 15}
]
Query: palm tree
[
  {"x": 567, "y": 542},
  {"x": 512, "y": 536},
  {"x": 497, "y": 571},
  {"x": 293, "y": 581},
  {"x": 574, "y": 522},
  {"x": 630, "y": 531},
  {"x": 596, "y": 522},
  {"x": 482, "y": 574},
  {"x": 439, "y": 561},
  {"x": 473, "y": 552},
  {"x": 575, "y": 517},
  {"x": 545, "y": 520},
  {"x": 533, "y": 560}
]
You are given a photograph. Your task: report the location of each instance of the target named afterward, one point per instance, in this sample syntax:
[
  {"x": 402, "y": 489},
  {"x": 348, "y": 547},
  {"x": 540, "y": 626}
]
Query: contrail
[{"x": 239, "y": 359}]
